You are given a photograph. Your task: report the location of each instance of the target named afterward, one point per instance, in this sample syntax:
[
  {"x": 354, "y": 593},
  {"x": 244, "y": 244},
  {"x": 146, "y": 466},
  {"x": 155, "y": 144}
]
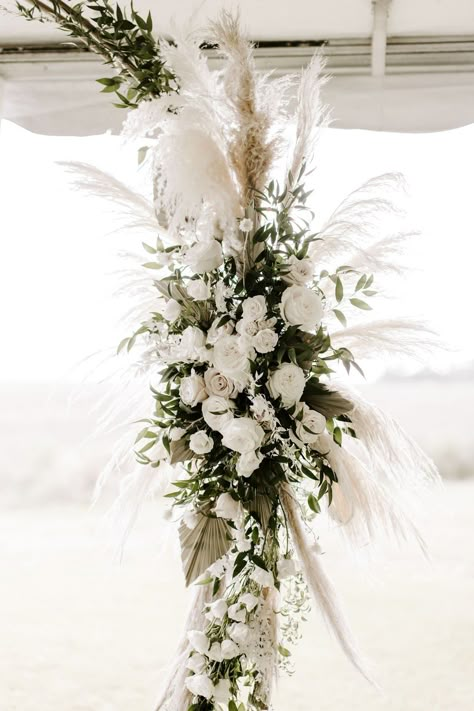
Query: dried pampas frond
[
  {"x": 390, "y": 336},
  {"x": 321, "y": 587},
  {"x": 251, "y": 150},
  {"x": 394, "y": 456},
  {"x": 363, "y": 505},
  {"x": 356, "y": 221},
  {"x": 311, "y": 115},
  {"x": 175, "y": 696},
  {"x": 136, "y": 211}
]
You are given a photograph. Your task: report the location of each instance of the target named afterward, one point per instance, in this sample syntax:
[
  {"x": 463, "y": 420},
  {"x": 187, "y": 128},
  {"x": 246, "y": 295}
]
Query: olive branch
[{"x": 124, "y": 40}]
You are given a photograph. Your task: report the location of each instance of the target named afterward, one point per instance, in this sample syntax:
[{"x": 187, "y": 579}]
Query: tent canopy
[{"x": 396, "y": 64}]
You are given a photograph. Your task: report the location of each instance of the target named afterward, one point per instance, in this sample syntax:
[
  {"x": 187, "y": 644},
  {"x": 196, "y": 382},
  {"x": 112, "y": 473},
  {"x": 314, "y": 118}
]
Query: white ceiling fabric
[{"x": 58, "y": 95}]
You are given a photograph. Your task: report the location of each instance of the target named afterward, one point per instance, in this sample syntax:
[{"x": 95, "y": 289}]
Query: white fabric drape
[{"x": 56, "y": 96}]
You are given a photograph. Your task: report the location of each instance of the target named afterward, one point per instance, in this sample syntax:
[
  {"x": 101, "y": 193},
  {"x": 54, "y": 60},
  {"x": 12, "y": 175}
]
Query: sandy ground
[{"x": 81, "y": 633}]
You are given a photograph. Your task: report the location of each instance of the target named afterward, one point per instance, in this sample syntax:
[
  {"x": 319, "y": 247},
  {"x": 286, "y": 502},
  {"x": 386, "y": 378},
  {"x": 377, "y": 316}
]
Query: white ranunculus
[
  {"x": 215, "y": 652},
  {"x": 158, "y": 452},
  {"x": 193, "y": 344},
  {"x": 217, "y": 610},
  {"x": 172, "y": 310},
  {"x": 237, "y": 613},
  {"x": 261, "y": 409},
  {"x": 196, "y": 663},
  {"x": 265, "y": 340},
  {"x": 192, "y": 390},
  {"x": 287, "y": 568},
  {"x": 204, "y": 256},
  {"x": 217, "y": 569},
  {"x": 242, "y": 435},
  {"x": 215, "y": 332},
  {"x": 243, "y": 544},
  {"x": 217, "y": 412},
  {"x": 177, "y": 433},
  {"x": 198, "y": 641},
  {"x": 198, "y": 290},
  {"x": 245, "y": 224},
  {"x": 311, "y": 424},
  {"x": 222, "y": 693},
  {"x": 262, "y": 577},
  {"x": 301, "y": 307},
  {"x": 227, "y": 507},
  {"x": 219, "y": 384},
  {"x": 250, "y": 601},
  {"x": 246, "y": 329},
  {"x": 191, "y": 519},
  {"x": 254, "y": 308},
  {"x": 229, "y": 649},
  {"x": 231, "y": 357},
  {"x": 200, "y": 442},
  {"x": 239, "y": 633},
  {"x": 301, "y": 271},
  {"x": 221, "y": 293},
  {"x": 287, "y": 382},
  {"x": 200, "y": 685},
  {"x": 247, "y": 463}
]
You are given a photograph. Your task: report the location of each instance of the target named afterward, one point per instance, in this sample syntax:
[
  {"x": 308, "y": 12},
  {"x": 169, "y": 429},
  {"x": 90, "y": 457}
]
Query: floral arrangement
[{"x": 245, "y": 313}]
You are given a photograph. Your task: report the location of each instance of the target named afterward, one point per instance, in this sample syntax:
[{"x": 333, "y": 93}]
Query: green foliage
[{"x": 125, "y": 40}]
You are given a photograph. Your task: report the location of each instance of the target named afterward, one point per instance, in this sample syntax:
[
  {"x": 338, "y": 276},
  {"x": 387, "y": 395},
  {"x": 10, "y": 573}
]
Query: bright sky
[{"x": 56, "y": 303}]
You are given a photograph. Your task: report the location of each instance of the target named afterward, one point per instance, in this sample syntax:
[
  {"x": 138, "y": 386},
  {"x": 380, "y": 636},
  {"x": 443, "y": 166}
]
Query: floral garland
[{"x": 242, "y": 325}]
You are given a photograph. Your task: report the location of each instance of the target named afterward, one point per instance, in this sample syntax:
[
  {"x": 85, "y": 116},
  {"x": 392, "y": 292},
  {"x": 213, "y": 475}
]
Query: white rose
[
  {"x": 200, "y": 442},
  {"x": 237, "y": 612},
  {"x": 222, "y": 693},
  {"x": 198, "y": 290},
  {"x": 311, "y": 424},
  {"x": 215, "y": 332},
  {"x": 254, "y": 308},
  {"x": 229, "y": 649},
  {"x": 247, "y": 463},
  {"x": 287, "y": 382},
  {"x": 196, "y": 663},
  {"x": 250, "y": 601},
  {"x": 262, "y": 577},
  {"x": 172, "y": 310},
  {"x": 193, "y": 344},
  {"x": 217, "y": 412},
  {"x": 301, "y": 307},
  {"x": 217, "y": 610},
  {"x": 231, "y": 357},
  {"x": 239, "y": 633},
  {"x": 287, "y": 568},
  {"x": 177, "y": 433},
  {"x": 301, "y": 271},
  {"x": 227, "y": 507},
  {"x": 192, "y": 390},
  {"x": 198, "y": 641},
  {"x": 265, "y": 341},
  {"x": 242, "y": 435},
  {"x": 200, "y": 685},
  {"x": 221, "y": 385},
  {"x": 203, "y": 257}
]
